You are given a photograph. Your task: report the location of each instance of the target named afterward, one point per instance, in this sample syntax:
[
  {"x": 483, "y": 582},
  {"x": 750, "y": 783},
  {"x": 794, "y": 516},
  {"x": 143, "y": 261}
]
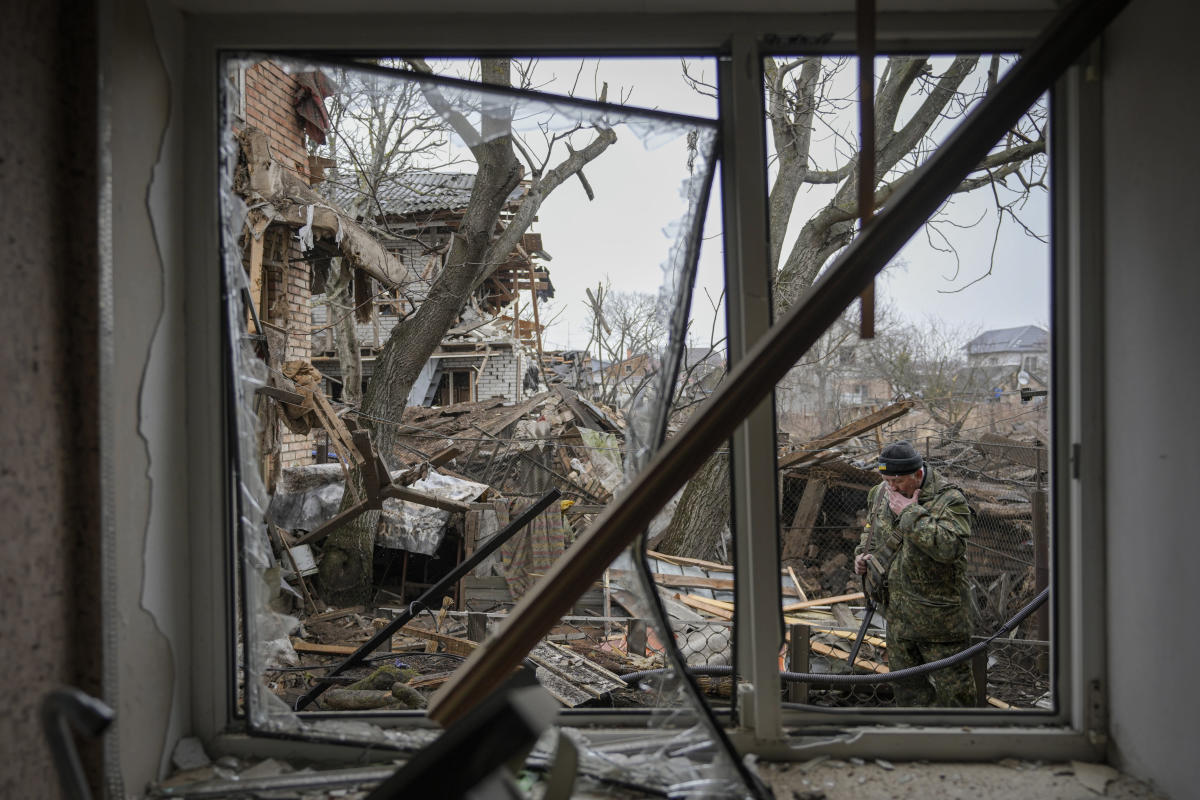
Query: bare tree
[
  {"x": 502, "y": 160},
  {"x": 926, "y": 362},
  {"x": 815, "y": 149},
  {"x": 627, "y": 335}
]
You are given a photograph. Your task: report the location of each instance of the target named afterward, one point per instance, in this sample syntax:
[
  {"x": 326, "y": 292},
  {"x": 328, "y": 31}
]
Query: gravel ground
[{"x": 831, "y": 779}]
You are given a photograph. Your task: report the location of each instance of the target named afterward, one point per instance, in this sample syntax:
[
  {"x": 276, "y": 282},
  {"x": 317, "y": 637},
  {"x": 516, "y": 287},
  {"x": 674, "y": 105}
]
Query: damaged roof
[{"x": 423, "y": 190}]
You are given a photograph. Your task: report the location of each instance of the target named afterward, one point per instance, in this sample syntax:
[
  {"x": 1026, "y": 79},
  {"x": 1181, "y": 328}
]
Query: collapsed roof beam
[{"x": 1055, "y": 49}]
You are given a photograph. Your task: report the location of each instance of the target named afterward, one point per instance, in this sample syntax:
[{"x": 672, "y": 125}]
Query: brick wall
[
  {"x": 501, "y": 377},
  {"x": 269, "y": 95}
]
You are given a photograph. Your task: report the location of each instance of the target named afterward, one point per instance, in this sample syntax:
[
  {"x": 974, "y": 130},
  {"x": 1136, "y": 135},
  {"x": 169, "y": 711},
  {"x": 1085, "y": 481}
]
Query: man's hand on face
[
  {"x": 898, "y": 502},
  {"x": 860, "y": 563}
]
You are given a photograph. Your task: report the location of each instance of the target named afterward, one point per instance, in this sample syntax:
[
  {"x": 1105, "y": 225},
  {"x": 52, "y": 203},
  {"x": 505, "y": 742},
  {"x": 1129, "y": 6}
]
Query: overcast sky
[
  {"x": 623, "y": 236},
  {"x": 605, "y": 238}
]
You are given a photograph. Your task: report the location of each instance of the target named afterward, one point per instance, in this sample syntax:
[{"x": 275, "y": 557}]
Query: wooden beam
[
  {"x": 424, "y": 499},
  {"x": 257, "y": 228},
  {"x": 799, "y": 534},
  {"x": 842, "y": 655},
  {"x": 282, "y": 395},
  {"x": 301, "y": 646},
  {"x": 695, "y": 581},
  {"x": 454, "y": 645},
  {"x": 856, "y": 428},
  {"x": 823, "y": 601},
  {"x": 796, "y": 582}
]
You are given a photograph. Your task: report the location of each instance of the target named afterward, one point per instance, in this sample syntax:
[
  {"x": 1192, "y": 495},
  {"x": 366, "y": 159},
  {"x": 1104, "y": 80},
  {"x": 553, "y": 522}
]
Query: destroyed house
[
  {"x": 276, "y": 113},
  {"x": 414, "y": 216}
]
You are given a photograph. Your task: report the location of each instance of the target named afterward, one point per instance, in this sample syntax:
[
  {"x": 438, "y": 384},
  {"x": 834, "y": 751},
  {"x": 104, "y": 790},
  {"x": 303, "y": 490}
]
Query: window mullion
[{"x": 752, "y": 447}]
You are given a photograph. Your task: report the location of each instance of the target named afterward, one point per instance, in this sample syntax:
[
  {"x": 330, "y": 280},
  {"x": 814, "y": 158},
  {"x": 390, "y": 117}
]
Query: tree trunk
[
  {"x": 345, "y": 333},
  {"x": 702, "y": 515},
  {"x": 346, "y": 571}
]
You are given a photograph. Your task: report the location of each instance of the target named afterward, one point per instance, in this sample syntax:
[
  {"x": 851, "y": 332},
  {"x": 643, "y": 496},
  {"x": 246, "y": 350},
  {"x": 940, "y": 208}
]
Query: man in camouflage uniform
[{"x": 913, "y": 554}]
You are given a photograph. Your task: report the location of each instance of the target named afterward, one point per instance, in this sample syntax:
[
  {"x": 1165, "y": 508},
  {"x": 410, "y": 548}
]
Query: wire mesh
[{"x": 822, "y": 514}]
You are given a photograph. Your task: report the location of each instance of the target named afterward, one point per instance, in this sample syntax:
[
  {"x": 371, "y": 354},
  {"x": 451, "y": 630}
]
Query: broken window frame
[{"x": 1074, "y": 729}]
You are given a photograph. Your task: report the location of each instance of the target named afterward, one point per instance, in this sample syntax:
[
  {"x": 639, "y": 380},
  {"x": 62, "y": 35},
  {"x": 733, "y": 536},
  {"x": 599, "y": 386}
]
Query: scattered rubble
[{"x": 461, "y": 472}]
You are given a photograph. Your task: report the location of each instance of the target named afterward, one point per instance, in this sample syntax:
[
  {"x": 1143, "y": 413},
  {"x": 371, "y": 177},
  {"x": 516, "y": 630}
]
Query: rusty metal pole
[{"x": 1039, "y": 501}]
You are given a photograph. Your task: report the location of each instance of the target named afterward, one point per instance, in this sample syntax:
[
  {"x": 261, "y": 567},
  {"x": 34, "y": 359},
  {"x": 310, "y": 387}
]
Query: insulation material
[{"x": 417, "y": 528}]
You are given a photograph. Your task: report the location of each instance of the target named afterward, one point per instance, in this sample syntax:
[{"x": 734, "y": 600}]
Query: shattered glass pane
[{"x": 445, "y": 300}]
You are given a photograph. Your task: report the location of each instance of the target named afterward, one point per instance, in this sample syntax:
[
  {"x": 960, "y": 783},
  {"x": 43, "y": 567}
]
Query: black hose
[{"x": 908, "y": 672}]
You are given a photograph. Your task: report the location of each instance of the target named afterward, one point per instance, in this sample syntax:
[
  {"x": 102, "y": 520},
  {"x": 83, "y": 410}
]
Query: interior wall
[
  {"x": 1153, "y": 378},
  {"x": 148, "y": 384},
  {"x": 49, "y": 476}
]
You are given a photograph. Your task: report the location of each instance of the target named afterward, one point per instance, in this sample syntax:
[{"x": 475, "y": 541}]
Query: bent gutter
[{"x": 1055, "y": 49}]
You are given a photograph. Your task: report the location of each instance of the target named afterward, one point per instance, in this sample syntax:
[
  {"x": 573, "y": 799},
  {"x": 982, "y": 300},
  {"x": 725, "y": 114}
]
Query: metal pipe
[
  {"x": 61, "y": 710},
  {"x": 1060, "y": 44}
]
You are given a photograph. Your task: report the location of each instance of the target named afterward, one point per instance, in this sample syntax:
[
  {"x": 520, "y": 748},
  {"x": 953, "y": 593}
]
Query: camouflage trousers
[{"x": 952, "y": 687}]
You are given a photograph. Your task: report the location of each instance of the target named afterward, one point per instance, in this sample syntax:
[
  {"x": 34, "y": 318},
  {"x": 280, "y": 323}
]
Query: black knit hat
[{"x": 899, "y": 458}]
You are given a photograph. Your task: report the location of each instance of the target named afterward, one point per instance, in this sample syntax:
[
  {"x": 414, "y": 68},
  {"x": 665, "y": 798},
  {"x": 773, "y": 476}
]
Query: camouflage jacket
[{"x": 926, "y": 595}]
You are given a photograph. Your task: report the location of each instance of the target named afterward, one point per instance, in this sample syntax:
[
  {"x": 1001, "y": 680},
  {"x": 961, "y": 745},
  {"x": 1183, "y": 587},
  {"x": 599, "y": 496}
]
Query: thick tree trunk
[
  {"x": 346, "y": 571},
  {"x": 345, "y": 334},
  {"x": 702, "y": 515}
]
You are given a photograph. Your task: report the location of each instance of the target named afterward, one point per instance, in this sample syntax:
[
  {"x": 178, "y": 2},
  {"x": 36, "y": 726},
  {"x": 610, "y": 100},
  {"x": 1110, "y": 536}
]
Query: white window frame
[{"x": 1076, "y": 729}]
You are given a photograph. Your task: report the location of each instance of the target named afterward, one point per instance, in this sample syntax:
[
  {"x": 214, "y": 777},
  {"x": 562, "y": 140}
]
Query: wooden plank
[
  {"x": 857, "y": 427},
  {"x": 514, "y": 415},
  {"x": 327, "y": 528},
  {"x": 337, "y": 429},
  {"x": 257, "y": 230},
  {"x": 844, "y": 655},
  {"x": 684, "y": 561},
  {"x": 851, "y": 636},
  {"x": 797, "y": 537},
  {"x": 430, "y": 681},
  {"x": 454, "y": 645},
  {"x": 282, "y": 395},
  {"x": 301, "y": 646},
  {"x": 424, "y": 499},
  {"x": 724, "y": 610},
  {"x": 824, "y": 601},
  {"x": 714, "y": 607},
  {"x": 684, "y": 581},
  {"x": 796, "y": 582}
]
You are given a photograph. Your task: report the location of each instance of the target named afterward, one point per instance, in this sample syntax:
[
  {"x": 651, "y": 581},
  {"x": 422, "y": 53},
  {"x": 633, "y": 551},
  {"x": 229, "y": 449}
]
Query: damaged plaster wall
[
  {"x": 1153, "y": 378},
  {"x": 149, "y": 406}
]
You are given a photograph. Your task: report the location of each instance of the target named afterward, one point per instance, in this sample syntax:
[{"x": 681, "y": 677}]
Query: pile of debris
[{"x": 461, "y": 474}]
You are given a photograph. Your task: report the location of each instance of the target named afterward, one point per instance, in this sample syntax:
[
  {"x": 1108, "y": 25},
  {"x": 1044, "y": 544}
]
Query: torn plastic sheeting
[
  {"x": 417, "y": 528},
  {"x": 305, "y": 234},
  {"x": 604, "y": 451},
  {"x": 307, "y": 497}
]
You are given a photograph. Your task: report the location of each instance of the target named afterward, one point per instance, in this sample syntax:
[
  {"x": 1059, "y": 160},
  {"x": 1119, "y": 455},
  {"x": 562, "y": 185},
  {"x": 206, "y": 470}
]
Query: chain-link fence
[{"x": 822, "y": 516}]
